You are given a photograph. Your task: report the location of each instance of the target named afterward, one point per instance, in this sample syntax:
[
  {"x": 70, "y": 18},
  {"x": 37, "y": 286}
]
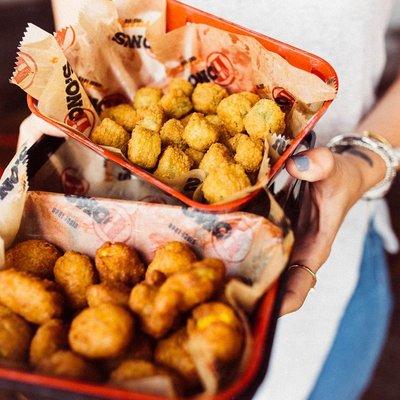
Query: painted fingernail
[{"x": 302, "y": 162}]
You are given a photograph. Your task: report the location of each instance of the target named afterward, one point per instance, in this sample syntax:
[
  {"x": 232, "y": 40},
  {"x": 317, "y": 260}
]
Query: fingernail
[{"x": 302, "y": 162}]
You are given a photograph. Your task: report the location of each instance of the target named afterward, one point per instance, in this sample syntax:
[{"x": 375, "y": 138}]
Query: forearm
[{"x": 384, "y": 118}]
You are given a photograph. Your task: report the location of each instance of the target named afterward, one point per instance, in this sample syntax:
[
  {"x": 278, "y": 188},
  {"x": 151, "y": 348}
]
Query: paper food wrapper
[
  {"x": 117, "y": 47},
  {"x": 43, "y": 71},
  {"x": 109, "y": 50}
]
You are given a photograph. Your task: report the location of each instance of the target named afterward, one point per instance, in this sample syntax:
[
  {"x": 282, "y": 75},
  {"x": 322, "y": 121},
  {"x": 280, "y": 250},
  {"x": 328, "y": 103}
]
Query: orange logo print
[
  {"x": 117, "y": 227},
  {"x": 25, "y": 70},
  {"x": 223, "y": 68},
  {"x": 73, "y": 183},
  {"x": 65, "y": 37},
  {"x": 82, "y": 120}
]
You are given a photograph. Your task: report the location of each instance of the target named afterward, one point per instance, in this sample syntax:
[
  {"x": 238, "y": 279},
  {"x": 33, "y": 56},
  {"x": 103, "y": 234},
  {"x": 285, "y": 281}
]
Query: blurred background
[{"x": 14, "y": 15}]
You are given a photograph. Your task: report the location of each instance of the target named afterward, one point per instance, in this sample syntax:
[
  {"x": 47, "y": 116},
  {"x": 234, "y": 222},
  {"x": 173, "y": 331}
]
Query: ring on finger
[{"x": 309, "y": 271}]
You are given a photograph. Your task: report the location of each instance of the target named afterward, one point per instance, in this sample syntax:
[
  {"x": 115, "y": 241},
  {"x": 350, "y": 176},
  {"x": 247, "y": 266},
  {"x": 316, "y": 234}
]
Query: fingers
[
  {"x": 298, "y": 286},
  {"x": 312, "y": 165}
]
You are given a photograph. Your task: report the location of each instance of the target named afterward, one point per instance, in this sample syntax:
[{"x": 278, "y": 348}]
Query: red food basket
[{"x": 178, "y": 15}]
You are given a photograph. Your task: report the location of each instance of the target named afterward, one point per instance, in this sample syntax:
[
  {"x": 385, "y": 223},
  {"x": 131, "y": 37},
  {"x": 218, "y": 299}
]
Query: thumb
[{"x": 311, "y": 165}]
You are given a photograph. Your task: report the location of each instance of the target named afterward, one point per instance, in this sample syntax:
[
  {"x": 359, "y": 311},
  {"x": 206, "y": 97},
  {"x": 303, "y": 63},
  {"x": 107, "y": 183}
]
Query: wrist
[{"x": 370, "y": 165}]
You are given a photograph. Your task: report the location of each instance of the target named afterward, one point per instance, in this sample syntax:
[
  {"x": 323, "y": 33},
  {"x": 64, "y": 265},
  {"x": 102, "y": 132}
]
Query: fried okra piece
[
  {"x": 147, "y": 97},
  {"x": 123, "y": 114},
  {"x": 252, "y": 97},
  {"x": 232, "y": 110},
  {"x": 35, "y": 256},
  {"x": 34, "y": 299},
  {"x": 105, "y": 292},
  {"x": 249, "y": 153},
  {"x": 171, "y": 133},
  {"x": 176, "y": 104},
  {"x": 216, "y": 156},
  {"x": 171, "y": 258},
  {"x": 67, "y": 364},
  {"x": 234, "y": 140},
  {"x": 151, "y": 118},
  {"x": 264, "y": 118},
  {"x": 217, "y": 122},
  {"x": 215, "y": 328},
  {"x": 207, "y": 96},
  {"x": 195, "y": 156},
  {"x": 74, "y": 272},
  {"x": 119, "y": 263},
  {"x": 109, "y": 133},
  {"x": 49, "y": 338},
  {"x": 158, "y": 307},
  {"x": 15, "y": 335},
  {"x": 184, "y": 121},
  {"x": 144, "y": 147},
  {"x": 183, "y": 85},
  {"x": 172, "y": 352},
  {"x": 174, "y": 163},
  {"x": 199, "y": 133},
  {"x": 104, "y": 331},
  {"x": 224, "y": 182}
]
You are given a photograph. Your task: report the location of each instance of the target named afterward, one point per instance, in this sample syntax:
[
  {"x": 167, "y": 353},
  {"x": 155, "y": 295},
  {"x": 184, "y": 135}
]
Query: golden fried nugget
[
  {"x": 207, "y": 96},
  {"x": 200, "y": 134},
  {"x": 123, "y": 114},
  {"x": 155, "y": 320},
  {"x": 107, "y": 293},
  {"x": 15, "y": 335},
  {"x": 216, "y": 156},
  {"x": 119, "y": 263},
  {"x": 109, "y": 133},
  {"x": 35, "y": 256},
  {"x": 136, "y": 369},
  {"x": 224, "y": 182},
  {"x": 34, "y": 299},
  {"x": 232, "y": 110},
  {"x": 171, "y": 258},
  {"x": 49, "y": 338},
  {"x": 234, "y": 140},
  {"x": 69, "y": 365},
  {"x": 144, "y": 147},
  {"x": 74, "y": 272},
  {"x": 158, "y": 307},
  {"x": 184, "y": 121},
  {"x": 224, "y": 133},
  {"x": 172, "y": 352},
  {"x": 171, "y": 133},
  {"x": 216, "y": 329},
  {"x": 249, "y": 153},
  {"x": 151, "y": 118},
  {"x": 264, "y": 118},
  {"x": 196, "y": 285},
  {"x": 147, "y": 97},
  {"x": 177, "y": 84},
  {"x": 176, "y": 104},
  {"x": 101, "y": 332},
  {"x": 173, "y": 164},
  {"x": 195, "y": 156},
  {"x": 252, "y": 97}
]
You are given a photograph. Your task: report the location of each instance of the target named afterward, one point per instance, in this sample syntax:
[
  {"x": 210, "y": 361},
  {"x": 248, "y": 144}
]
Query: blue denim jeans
[{"x": 362, "y": 330}]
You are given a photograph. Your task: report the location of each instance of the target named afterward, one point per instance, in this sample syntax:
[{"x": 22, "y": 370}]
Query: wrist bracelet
[{"x": 382, "y": 148}]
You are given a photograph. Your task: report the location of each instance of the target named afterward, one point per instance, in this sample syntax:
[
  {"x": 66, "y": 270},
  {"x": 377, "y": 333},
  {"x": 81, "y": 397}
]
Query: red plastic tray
[{"x": 179, "y": 14}]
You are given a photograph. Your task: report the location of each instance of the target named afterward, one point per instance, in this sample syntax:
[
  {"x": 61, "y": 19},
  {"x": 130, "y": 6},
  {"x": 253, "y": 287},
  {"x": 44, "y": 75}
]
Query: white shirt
[{"x": 350, "y": 35}]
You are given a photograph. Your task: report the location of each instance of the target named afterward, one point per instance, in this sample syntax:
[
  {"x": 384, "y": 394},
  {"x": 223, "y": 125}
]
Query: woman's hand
[{"x": 337, "y": 181}]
